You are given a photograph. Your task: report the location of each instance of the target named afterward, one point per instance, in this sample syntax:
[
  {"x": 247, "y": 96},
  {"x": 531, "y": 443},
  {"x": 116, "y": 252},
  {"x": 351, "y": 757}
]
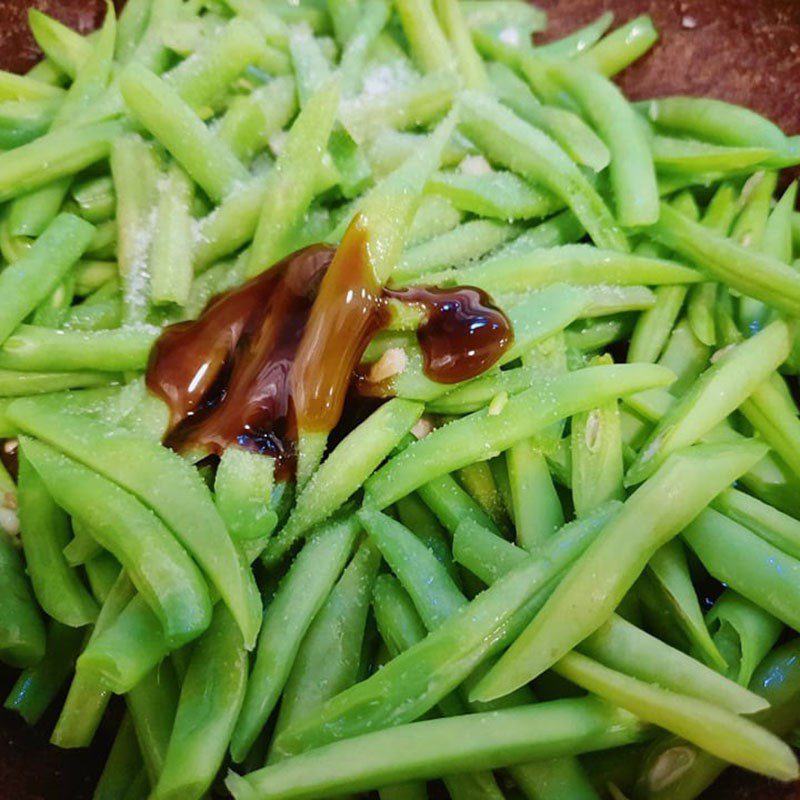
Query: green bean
[
  {"x": 715, "y": 394},
  {"x": 419, "y": 103},
  {"x": 510, "y": 141},
  {"x": 691, "y": 155},
  {"x": 252, "y": 120},
  {"x": 38, "y": 685},
  {"x": 122, "y": 766},
  {"x": 537, "y": 507},
  {"x": 596, "y": 448},
  {"x": 430, "y": 748},
  {"x": 287, "y": 618},
  {"x": 88, "y": 698},
  {"x": 498, "y": 195},
  {"x": 22, "y": 121},
  {"x": 463, "y": 243},
  {"x": 483, "y": 434},
  {"x": 526, "y": 19},
  {"x": 632, "y": 172},
  {"x": 745, "y": 743},
  {"x": 290, "y": 186},
  {"x": 416, "y": 680},
  {"x": 652, "y": 329},
  {"x": 328, "y": 659},
  {"x": 203, "y": 81},
  {"x": 21, "y": 87},
  {"x": 55, "y": 155},
  {"x": 572, "y": 263},
  {"x": 753, "y": 274},
  {"x": 82, "y": 547},
  {"x": 777, "y": 237},
  {"x": 120, "y": 655},
  {"x": 171, "y": 269},
  {"x": 478, "y": 480},
  {"x": 95, "y": 198},
  {"x": 102, "y": 572},
  {"x": 671, "y": 571},
  {"x": 311, "y": 68},
  {"x": 427, "y": 42},
  {"x": 27, "y": 282},
  {"x": 210, "y": 698},
  {"x": 749, "y": 565},
  {"x": 91, "y": 275},
  {"x": 158, "y": 566},
  {"x": 30, "y": 214},
  {"x": 63, "y": 46},
  {"x": 164, "y": 482},
  {"x": 578, "y": 41},
  {"x": 697, "y": 474},
  {"x": 22, "y": 633},
  {"x": 451, "y": 503},
  {"x": 679, "y": 771},
  {"x": 243, "y": 488},
  {"x": 152, "y": 704},
  {"x": 346, "y": 469},
  {"x": 19, "y": 384},
  {"x": 743, "y": 632},
  {"x": 410, "y": 790},
  {"x": 715, "y": 121},
  {"x": 171, "y": 120},
  {"x": 418, "y": 518},
  {"x": 468, "y": 62},
  {"x": 621, "y": 47},
  {"x": 779, "y": 529},
  {"x": 45, "y": 532},
  {"x": 35, "y": 349},
  {"x": 389, "y": 148},
  {"x": 566, "y": 128}
]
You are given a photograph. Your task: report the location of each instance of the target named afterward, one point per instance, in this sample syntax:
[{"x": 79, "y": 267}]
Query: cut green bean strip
[
  {"x": 45, "y": 532},
  {"x": 28, "y": 281},
  {"x": 83, "y": 546},
  {"x": 743, "y": 632},
  {"x": 498, "y": 195},
  {"x": 122, "y": 766},
  {"x": 745, "y": 743},
  {"x": 170, "y": 119},
  {"x": 621, "y": 47},
  {"x": 772, "y": 525},
  {"x": 652, "y": 329},
  {"x": 186, "y": 507},
  {"x": 430, "y": 748},
  {"x": 158, "y": 566},
  {"x": 152, "y": 704},
  {"x": 451, "y": 503},
  {"x": 171, "y": 269},
  {"x": 38, "y": 685},
  {"x": 20, "y": 384},
  {"x": 671, "y": 571},
  {"x": 571, "y": 263},
  {"x": 427, "y": 42},
  {"x": 632, "y": 172},
  {"x": 698, "y": 474},
  {"x": 690, "y": 155},
  {"x": 291, "y": 185},
  {"x": 716, "y": 393},
  {"x": 243, "y": 488},
  {"x": 578, "y": 41},
  {"x": 416, "y": 680},
  {"x": 746, "y": 563},
  {"x": 509, "y": 140},
  {"x": 346, "y": 469},
  {"x": 22, "y": 632},
  {"x": 210, "y": 698},
  {"x": 286, "y": 621},
  {"x": 418, "y": 518},
  {"x": 482, "y": 435},
  {"x": 466, "y": 242}
]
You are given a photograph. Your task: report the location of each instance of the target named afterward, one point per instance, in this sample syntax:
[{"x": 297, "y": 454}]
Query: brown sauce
[{"x": 279, "y": 353}]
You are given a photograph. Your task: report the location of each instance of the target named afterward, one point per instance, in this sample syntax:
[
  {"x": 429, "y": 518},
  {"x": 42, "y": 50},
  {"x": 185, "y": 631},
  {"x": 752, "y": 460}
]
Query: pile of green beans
[{"x": 585, "y": 557}]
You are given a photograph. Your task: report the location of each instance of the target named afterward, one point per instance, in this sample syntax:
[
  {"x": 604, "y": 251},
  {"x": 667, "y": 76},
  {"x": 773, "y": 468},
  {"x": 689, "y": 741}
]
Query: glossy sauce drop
[{"x": 279, "y": 353}]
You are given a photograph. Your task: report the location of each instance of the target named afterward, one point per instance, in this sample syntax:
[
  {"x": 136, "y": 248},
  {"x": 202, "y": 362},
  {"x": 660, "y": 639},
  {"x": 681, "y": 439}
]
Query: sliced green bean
[
  {"x": 210, "y": 698},
  {"x": 158, "y": 566},
  {"x": 346, "y": 469},
  {"x": 451, "y": 503},
  {"x": 243, "y": 488},
  {"x": 186, "y": 506},
  {"x": 697, "y": 474},
  {"x": 621, "y": 47},
  {"x": 433, "y": 747},
  {"x": 510, "y": 141},
  {"x": 22, "y": 632},
  {"x": 427, "y": 42},
  {"x": 578, "y": 41},
  {"x": 286, "y": 621},
  {"x": 481, "y": 434},
  {"x": 123, "y": 765},
  {"x": 20, "y": 384},
  {"x": 743, "y": 632},
  {"x": 746, "y": 563},
  {"x": 745, "y": 743}
]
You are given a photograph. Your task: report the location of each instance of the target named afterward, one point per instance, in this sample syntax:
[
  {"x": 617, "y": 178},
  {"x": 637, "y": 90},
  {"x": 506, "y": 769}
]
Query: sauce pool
[{"x": 279, "y": 353}]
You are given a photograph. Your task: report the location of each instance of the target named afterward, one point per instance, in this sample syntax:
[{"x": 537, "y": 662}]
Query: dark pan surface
[{"x": 745, "y": 51}]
